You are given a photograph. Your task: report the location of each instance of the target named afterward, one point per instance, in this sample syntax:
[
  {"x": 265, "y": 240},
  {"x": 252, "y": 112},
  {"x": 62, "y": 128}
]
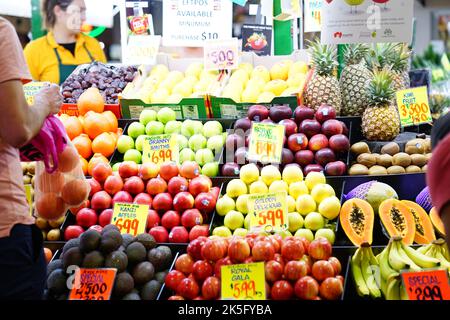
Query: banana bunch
[
  {"x": 438, "y": 250},
  {"x": 366, "y": 274}
]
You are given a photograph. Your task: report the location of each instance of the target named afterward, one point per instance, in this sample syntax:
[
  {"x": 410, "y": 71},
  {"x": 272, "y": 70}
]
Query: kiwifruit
[
  {"x": 376, "y": 155},
  {"x": 391, "y": 148},
  {"x": 359, "y": 148},
  {"x": 367, "y": 159},
  {"x": 427, "y": 144},
  {"x": 415, "y": 146},
  {"x": 358, "y": 169},
  {"x": 377, "y": 170},
  {"x": 418, "y": 160},
  {"x": 413, "y": 169},
  {"x": 385, "y": 160},
  {"x": 401, "y": 159},
  {"x": 396, "y": 170},
  {"x": 424, "y": 168},
  {"x": 428, "y": 155}
]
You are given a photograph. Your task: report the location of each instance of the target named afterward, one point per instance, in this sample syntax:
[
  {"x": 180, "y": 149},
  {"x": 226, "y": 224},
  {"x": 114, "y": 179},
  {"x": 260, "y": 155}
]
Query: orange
[
  {"x": 83, "y": 145},
  {"x": 84, "y": 165},
  {"x": 104, "y": 144},
  {"x": 112, "y": 120},
  {"x": 97, "y": 158},
  {"x": 95, "y": 124},
  {"x": 90, "y": 100},
  {"x": 73, "y": 127},
  {"x": 48, "y": 254}
]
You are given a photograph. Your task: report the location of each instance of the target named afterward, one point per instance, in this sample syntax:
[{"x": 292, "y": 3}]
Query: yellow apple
[
  {"x": 250, "y": 95},
  {"x": 201, "y": 86},
  {"x": 152, "y": 81},
  {"x": 296, "y": 80},
  {"x": 235, "y": 96},
  {"x": 183, "y": 88},
  {"x": 175, "y": 76},
  {"x": 239, "y": 75},
  {"x": 288, "y": 62},
  {"x": 174, "y": 98},
  {"x": 261, "y": 72},
  {"x": 276, "y": 87},
  {"x": 279, "y": 71},
  {"x": 145, "y": 94},
  {"x": 246, "y": 66},
  {"x": 194, "y": 69},
  {"x": 167, "y": 84},
  {"x": 206, "y": 73},
  {"x": 234, "y": 87},
  {"x": 289, "y": 92},
  {"x": 265, "y": 97},
  {"x": 160, "y": 96},
  {"x": 160, "y": 70},
  {"x": 298, "y": 67}
]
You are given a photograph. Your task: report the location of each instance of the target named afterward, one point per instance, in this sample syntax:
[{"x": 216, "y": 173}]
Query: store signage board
[
  {"x": 93, "y": 284},
  {"x": 30, "y": 89},
  {"x": 427, "y": 285},
  {"x": 221, "y": 54},
  {"x": 266, "y": 142},
  {"x": 268, "y": 212},
  {"x": 367, "y": 22},
  {"x": 130, "y": 218},
  {"x": 191, "y": 23},
  {"x": 313, "y": 15},
  {"x": 142, "y": 49},
  {"x": 257, "y": 38},
  {"x": 160, "y": 148},
  {"x": 413, "y": 106},
  {"x": 243, "y": 282}
]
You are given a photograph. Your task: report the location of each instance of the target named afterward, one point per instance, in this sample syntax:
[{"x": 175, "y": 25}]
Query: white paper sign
[
  {"x": 313, "y": 15},
  {"x": 189, "y": 23},
  {"x": 221, "y": 54},
  {"x": 142, "y": 49},
  {"x": 358, "y": 21}
]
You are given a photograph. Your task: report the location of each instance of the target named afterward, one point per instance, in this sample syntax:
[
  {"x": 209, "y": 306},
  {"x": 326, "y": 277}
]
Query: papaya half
[
  {"x": 437, "y": 222},
  {"x": 398, "y": 220},
  {"x": 424, "y": 227},
  {"x": 357, "y": 218}
]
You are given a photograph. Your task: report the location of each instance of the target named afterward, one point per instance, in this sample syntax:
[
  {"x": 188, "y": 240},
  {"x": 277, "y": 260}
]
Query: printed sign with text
[
  {"x": 413, "y": 106},
  {"x": 93, "y": 284},
  {"x": 427, "y": 285},
  {"x": 257, "y": 38}
]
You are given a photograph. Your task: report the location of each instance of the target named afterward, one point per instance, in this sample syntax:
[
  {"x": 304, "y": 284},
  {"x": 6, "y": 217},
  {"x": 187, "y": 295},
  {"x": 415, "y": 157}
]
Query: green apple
[
  {"x": 136, "y": 129},
  {"x": 225, "y": 205},
  {"x": 154, "y": 128},
  {"x": 166, "y": 114},
  {"x": 247, "y": 221},
  {"x": 182, "y": 142},
  {"x": 236, "y": 188},
  {"x": 116, "y": 166},
  {"x": 314, "y": 221},
  {"x": 210, "y": 169},
  {"x": 215, "y": 143},
  {"x": 125, "y": 143},
  {"x": 283, "y": 233},
  {"x": 212, "y": 128},
  {"x": 133, "y": 155},
  {"x": 140, "y": 142},
  {"x": 172, "y": 126},
  {"x": 249, "y": 173},
  {"x": 240, "y": 232},
  {"x": 327, "y": 234},
  {"x": 233, "y": 220},
  {"x": 295, "y": 221},
  {"x": 204, "y": 156},
  {"x": 241, "y": 203},
  {"x": 186, "y": 155},
  {"x": 222, "y": 232},
  {"x": 191, "y": 127},
  {"x": 146, "y": 116},
  {"x": 305, "y": 233},
  {"x": 197, "y": 142}
]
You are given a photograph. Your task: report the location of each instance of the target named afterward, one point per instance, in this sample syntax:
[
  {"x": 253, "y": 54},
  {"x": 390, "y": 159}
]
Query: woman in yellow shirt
[{"x": 55, "y": 56}]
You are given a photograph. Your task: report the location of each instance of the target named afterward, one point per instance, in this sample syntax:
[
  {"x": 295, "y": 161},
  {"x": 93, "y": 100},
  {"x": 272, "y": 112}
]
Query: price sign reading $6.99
[
  {"x": 268, "y": 211},
  {"x": 221, "y": 54},
  {"x": 243, "y": 282},
  {"x": 93, "y": 284},
  {"x": 160, "y": 148},
  {"x": 427, "y": 285},
  {"x": 130, "y": 218}
]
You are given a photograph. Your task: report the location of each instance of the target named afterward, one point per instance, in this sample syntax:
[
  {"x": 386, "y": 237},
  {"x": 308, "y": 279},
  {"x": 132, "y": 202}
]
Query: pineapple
[
  {"x": 354, "y": 81},
  {"x": 323, "y": 88},
  {"x": 400, "y": 65},
  {"x": 380, "y": 120}
]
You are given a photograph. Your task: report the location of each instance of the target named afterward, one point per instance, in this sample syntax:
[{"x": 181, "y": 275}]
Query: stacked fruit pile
[
  {"x": 50, "y": 228},
  {"x": 195, "y": 140},
  {"x": 261, "y": 85},
  {"x": 141, "y": 265},
  {"x": 314, "y": 140},
  {"x": 294, "y": 267},
  {"x": 28, "y": 171}
]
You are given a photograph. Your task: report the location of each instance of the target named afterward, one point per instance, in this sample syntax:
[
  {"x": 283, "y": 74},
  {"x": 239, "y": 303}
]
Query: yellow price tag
[
  {"x": 268, "y": 212},
  {"x": 160, "y": 148},
  {"x": 413, "y": 106},
  {"x": 28, "y": 188},
  {"x": 30, "y": 90},
  {"x": 243, "y": 282},
  {"x": 266, "y": 142},
  {"x": 130, "y": 218}
]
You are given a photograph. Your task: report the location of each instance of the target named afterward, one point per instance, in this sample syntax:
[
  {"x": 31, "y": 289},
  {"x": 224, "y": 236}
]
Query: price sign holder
[
  {"x": 28, "y": 188},
  {"x": 93, "y": 284},
  {"x": 160, "y": 148},
  {"x": 130, "y": 218},
  {"x": 427, "y": 285},
  {"x": 243, "y": 282},
  {"x": 269, "y": 212},
  {"x": 413, "y": 106},
  {"x": 30, "y": 89},
  {"x": 221, "y": 54},
  {"x": 266, "y": 142},
  {"x": 142, "y": 49}
]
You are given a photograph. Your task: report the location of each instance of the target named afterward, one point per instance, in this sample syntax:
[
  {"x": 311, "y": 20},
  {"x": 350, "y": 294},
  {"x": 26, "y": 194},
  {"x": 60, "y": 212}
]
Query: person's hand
[{"x": 50, "y": 98}]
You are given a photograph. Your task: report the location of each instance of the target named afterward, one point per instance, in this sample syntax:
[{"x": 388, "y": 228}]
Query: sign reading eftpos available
[
  {"x": 359, "y": 21},
  {"x": 189, "y": 23}
]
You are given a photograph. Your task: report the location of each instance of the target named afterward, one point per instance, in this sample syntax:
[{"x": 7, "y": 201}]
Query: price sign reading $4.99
[
  {"x": 413, "y": 106},
  {"x": 93, "y": 284},
  {"x": 160, "y": 148},
  {"x": 268, "y": 211},
  {"x": 427, "y": 285},
  {"x": 130, "y": 218},
  {"x": 221, "y": 54},
  {"x": 243, "y": 282}
]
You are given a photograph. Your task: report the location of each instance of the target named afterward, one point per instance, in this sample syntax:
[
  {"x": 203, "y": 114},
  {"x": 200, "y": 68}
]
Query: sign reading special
[
  {"x": 243, "y": 282},
  {"x": 160, "y": 148},
  {"x": 266, "y": 142},
  {"x": 268, "y": 212},
  {"x": 191, "y": 23},
  {"x": 130, "y": 218},
  {"x": 427, "y": 285},
  {"x": 93, "y": 284},
  {"x": 413, "y": 106},
  {"x": 359, "y": 21}
]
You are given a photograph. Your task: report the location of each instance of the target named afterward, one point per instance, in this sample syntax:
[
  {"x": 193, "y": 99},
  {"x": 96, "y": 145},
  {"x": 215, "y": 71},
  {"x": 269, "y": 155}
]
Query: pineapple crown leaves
[
  {"x": 323, "y": 58},
  {"x": 381, "y": 91},
  {"x": 354, "y": 53},
  {"x": 382, "y": 55}
]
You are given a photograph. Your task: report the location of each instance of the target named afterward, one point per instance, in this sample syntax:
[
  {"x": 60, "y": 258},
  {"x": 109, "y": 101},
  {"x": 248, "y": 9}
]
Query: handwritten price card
[
  {"x": 221, "y": 54},
  {"x": 266, "y": 142},
  {"x": 93, "y": 284},
  {"x": 427, "y": 285},
  {"x": 268, "y": 211},
  {"x": 413, "y": 106},
  {"x": 160, "y": 148},
  {"x": 130, "y": 218},
  {"x": 243, "y": 282}
]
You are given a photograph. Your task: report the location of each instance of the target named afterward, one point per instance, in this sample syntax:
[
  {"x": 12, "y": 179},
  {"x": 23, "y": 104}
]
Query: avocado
[
  {"x": 72, "y": 243},
  {"x": 110, "y": 241},
  {"x": 94, "y": 260},
  {"x": 156, "y": 257},
  {"x": 118, "y": 260},
  {"x": 56, "y": 282},
  {"x": 62, "y": 297},
  {"x": 89, "y": 241},
  {"x": 136, "y": 252},
  {"x": 147, "y": 240},
  {"x": 143, "y": 272},
  {"x": 161, "y": 276},
  {"x": 121, "y": 248},
  {"x": 110, "y": 227},
  {"x": 127, "y": 239},
  {"x": 167, "y": 255},
  {"x": 123, "y": 284},
  {"x": 131, "y": 296},
  {"x": 150, "y": 290},
  {"x": 53, "y": 265},
  {"x": 73, "y": 256}
]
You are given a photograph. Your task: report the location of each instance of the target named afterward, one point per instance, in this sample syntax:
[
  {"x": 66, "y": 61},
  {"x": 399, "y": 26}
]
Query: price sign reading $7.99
[
  {"x": 268, "y": 211},
  {"x": 160, "y": 148},
  {"x": 221, "y": 54},
  {"x": 427, "y": 285},
  {"x": 413, "y": 106},
  {"x": 243, "y": 282},
  {"x": 130, "y": 218},
  {"x": 93, "y": 284}
]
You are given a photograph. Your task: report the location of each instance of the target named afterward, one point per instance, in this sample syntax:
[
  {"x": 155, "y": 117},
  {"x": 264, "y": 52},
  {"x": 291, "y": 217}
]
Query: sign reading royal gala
[
  {"x": 360, "y": 21},
  {"x": 189, "y": 23}
]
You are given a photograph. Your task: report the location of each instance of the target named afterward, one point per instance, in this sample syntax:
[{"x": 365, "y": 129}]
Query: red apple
[
  {"x": 170, "y": 219},
  {"x": 339, "y": 143},
  {"x": 218, "y": 266},
  {"x": 258, "y": 112},
  {"x": 290, "y": 127},
  {"x": 148, "y": 170},
  {"x": 238, "y": 250},
  {"x": 134, "y": 185},
  {"x": 312, "y": 168},
  {"x": 162, "y": 202},
  {"x": 273, "y": 271},
  {"x": 320, "y": 249},
  {"x": 244, "y": 124},
  {"x": 276, "y": 242},
  {"x": 287, "y": 156},
  {"x": 304, "y": 157},
  {"x": 168, "y": 170},
  {"x": 305, "y": 243},
  {"x": 101, "y": 200},
  {"x": 122, "y": 197},
  {"x": 189, "y": 169},
  {"x": 310, "y": 127},
  {"x": 205, "y": 202},
  {"x": 105, "y": 217},
  {"x": 240, "y": 156},
  {"x": 336, "y": 168},
  {"x": 280, "y": 112},
  {"x": 184, "y": 264},
  {"x": 183, "y": 201},
  {"x": 295, "y": 270},
  {"x": 306, "y": 288},
  {"x": 85, "y": 204},
  {"x": 263, "y": 251},
  {"x": 230, "y": 169},
  {"x": 297, "y": 142},
  {"x": 309, "y": 262},
  {"x": 282, "y": 290},
  {"x": 178, "y": 235},
  {"x": 211, "y": 288},
  {"x": 278, "y": 258},
  {"x": 160, "y": 234},
  {"x": 173, "y": 279},
  {"x": 191, "y": 218},
  {"x": 195, "y": 247},
  {"x": 336, "y": 265},
  {"x": 215, "y": 191},
  {"x": 201, "y": 270},
  {"x": 321, "y": 270},
  {"x": 101, "y": 171},
  {"x": 331, "y": 289},
  {"x": 177, "y": 185},
  {"x": 86, "y": 218},
  {"x": 318, "y": 142},
  {"x": 324, "y": 156},
  {"x": 344, "y": 129},
  {"x": 188, "y": 288},
  {"x": 199, "y": 231},
  {"x": 175, "y": 298},
  {"x": 156, "y": 186},
  {"x": 213, "y": 250},
  {"x": 341, "y": 279},
  {"x": 332, "y": 127},
  {"x": 143, "y": 198},
  {"x": 292, "y": 249},
  {"x": 199, "y": 184},
  {"x": 128, "y": 169},
  {"x": 95, "y": 186},
  {"x": 325, "y": 112},
  {"x": 301, "y": 113},
  {"x": 73, "y": 232},
  {"x": 153, "y": 219},
  {"x": 113, "y": 184}
]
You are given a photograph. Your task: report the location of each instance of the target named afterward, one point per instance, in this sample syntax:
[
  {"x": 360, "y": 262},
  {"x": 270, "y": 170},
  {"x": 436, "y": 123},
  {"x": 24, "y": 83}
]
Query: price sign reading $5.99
[
  {"x": 243, "y": 282},
  {"x": 160, "y": 148},
  {"x": 268, "y": 211},
  {"x": 427, "y": 285},
  {"x": 221, "y": 54},
  {"x": 413, "y": 106},
  {"x": 93, "y": 284},
  {"x": 130, "y": 218}
]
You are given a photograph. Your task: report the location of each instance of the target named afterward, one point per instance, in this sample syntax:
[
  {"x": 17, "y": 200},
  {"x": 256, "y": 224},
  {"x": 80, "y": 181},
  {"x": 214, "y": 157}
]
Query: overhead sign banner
[
  {"x": 360, "y": 21},
  {"x": 313, "y": 15},
  {"x": 191, "y": 23}
]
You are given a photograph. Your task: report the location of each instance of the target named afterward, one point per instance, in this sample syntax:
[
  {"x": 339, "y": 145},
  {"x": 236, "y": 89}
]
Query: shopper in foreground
[{"x": 22, "y": 262}]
